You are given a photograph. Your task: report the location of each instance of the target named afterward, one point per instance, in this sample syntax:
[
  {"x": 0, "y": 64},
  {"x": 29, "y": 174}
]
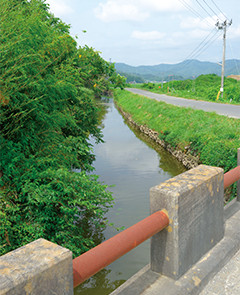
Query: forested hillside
[
  {"x": 187, "y": 69},
  {"x": 48, "y": 111}
]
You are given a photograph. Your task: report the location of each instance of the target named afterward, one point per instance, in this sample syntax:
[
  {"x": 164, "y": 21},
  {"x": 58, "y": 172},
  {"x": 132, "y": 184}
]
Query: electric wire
[
  {"x": 199, "y": 45},
  {"x": 192, "y": 10},
  {"x": 200, "y": 49},
  {"x": 205, "y": 46},
  {"x": 236, "y": 65},
  {"x": 220, "y": 10},
  {"x": 204, "y": 8},
  {"x": 214, "y": 12},
  {"x": 211, "y": 37}
]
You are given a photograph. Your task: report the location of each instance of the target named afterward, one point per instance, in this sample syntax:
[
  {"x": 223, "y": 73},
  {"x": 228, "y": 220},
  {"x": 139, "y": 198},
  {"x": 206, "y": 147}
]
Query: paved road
[{"x": 221, "y": 109}]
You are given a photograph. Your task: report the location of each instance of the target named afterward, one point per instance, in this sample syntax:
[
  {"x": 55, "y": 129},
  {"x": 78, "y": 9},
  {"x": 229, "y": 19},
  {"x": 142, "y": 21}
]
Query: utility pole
[{"x": 223, "y": 26}]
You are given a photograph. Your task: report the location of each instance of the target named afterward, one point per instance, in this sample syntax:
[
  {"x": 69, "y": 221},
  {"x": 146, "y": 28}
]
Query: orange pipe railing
[
  {"x": 91, "y": 262},
  {"x": 231, "y": 176}
]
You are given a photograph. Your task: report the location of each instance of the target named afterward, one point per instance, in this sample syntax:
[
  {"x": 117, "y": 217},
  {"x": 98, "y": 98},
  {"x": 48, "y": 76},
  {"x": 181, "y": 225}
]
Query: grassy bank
[
  {"x": 204, "y": 87},
  {"x": 211, "y": 137}
]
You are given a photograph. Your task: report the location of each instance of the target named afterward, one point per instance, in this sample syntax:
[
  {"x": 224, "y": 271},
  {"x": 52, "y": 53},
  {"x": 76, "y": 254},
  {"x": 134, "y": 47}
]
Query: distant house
[{"x": 236, "y": 77}]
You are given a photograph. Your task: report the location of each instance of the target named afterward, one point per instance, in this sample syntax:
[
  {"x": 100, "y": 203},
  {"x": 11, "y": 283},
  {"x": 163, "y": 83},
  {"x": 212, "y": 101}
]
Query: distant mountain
[{"x": 187, "y": 69}]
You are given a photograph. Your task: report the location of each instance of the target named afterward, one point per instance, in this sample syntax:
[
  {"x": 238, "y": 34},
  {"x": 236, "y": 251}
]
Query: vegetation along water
[
  {"x": 48, "y": 91},
  {"x": 212, "y": 138},
  {"x": 132, "y": 163},
  {"x": 48, "y": 111}
]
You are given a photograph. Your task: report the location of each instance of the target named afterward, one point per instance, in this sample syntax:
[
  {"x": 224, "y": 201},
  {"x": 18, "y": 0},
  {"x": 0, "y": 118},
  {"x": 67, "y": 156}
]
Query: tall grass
[
  {"x": 204, "y": 87},
  {"x": 213, "y": 138}
]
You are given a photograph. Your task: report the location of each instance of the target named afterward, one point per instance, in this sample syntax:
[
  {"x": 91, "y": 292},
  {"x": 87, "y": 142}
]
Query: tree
[{"x": 47, "y": 114}]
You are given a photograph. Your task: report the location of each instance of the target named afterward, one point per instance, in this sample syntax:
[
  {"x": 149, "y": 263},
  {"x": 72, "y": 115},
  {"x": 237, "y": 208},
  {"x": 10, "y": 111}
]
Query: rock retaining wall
[{"x": 188, "y": 160}]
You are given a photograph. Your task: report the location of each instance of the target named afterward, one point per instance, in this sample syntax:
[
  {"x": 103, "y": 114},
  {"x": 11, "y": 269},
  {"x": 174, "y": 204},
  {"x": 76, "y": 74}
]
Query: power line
[
  {"x": 223, "y": 26},
  {"x": 220, "y": 10},
  {"x": 211, "y": 9},
  {"x": 206, "y": 41},
  {"x": 196, "y": 13},
  {"x": 237, "y": 68},
  {"x": 206, "y": 46},
  {"x": 199, "y": 51},
  {"x": 204, "y": 8},
  {"x": 191, "y": 9},
  {"x": 197, "y": 48}
]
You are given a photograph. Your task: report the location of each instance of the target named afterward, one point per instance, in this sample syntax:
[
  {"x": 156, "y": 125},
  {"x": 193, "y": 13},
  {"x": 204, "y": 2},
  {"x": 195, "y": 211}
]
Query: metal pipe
[
  {"x": 91, "y": 262},
  {"x": 231, "y": 176}
]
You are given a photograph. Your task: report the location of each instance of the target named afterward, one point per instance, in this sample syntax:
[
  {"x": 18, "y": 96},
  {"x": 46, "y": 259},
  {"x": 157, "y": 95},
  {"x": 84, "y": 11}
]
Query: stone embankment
[{"x": 185, "y": 157}]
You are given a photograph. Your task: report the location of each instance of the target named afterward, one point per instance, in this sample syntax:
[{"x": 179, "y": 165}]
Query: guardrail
[
  {"x": 191, "y": 224},
  {"x": 231, "y": 177},
  {"x": 92, "y": 261}
]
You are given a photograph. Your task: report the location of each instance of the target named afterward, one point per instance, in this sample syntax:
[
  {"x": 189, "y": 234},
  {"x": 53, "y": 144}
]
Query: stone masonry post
[
  {"x": 194, "y": 202},
  {"x": 39, "y": 268}
]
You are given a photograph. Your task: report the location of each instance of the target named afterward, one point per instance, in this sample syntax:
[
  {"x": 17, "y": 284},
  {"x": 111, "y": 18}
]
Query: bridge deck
[{"x": 226, "y": 281}]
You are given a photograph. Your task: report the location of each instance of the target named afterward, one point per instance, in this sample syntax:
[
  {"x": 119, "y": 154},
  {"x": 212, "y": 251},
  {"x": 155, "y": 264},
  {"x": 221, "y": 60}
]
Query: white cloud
[
  {"x": 163, "y": 5},
  {"x": 136, "y": 10},
  {"x": 204, "y": 24},
  {"x": 60, "y": 7},
  {"x": 153, "y": 35},
  {"x": 197, "y": 33},
  {"x": 234, "y": 32},
  {"x": 114, "y": 10}
]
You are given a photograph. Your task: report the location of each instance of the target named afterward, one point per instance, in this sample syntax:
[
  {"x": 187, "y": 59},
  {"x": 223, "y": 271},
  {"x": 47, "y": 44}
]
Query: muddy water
[{"x": 133, "y": 164}]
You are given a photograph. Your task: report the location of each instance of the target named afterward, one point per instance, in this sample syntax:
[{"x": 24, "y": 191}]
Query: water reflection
[
  {"x": 133, "y": 164},
  {"x": 167, "y": 163},
  {"x": 99, "y": 284}
]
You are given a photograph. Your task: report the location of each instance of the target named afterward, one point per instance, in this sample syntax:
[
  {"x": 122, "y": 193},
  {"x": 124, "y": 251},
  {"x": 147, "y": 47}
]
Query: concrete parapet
[
  {"x": 147, "y": 282},
  {"x": 39, "y": 268},
  {"x": 194, "y": 202}
]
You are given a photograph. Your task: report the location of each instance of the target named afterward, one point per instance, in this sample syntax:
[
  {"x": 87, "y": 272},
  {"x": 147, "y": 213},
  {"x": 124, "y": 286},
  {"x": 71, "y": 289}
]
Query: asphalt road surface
[{"x": 228, "y": 110}]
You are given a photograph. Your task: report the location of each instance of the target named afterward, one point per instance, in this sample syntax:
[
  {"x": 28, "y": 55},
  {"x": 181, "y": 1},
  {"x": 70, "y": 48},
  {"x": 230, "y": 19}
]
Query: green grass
[
  {"x": 212, "y": 137},
  {"x": 204, "y": 87}
]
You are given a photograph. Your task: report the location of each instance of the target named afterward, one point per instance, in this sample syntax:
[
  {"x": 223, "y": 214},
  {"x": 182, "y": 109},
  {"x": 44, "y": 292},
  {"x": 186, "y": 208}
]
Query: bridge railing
[
  {"x": 191, "y": 224},
  {"x": 91, "y": 262},
  {"x": 233, "y": 176}
]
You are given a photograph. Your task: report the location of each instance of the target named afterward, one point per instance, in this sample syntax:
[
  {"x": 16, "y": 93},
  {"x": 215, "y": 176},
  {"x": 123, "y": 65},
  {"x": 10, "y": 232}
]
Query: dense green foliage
[
  {"x": 213, "y": 138},
  {"x": 131, "y": 78},
  {"x": 205, "y": 87},
  {"x": 48, "y": 112}
]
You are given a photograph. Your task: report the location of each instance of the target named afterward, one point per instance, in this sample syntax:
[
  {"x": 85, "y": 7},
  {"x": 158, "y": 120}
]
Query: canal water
[{"x": 131, "y": 164}]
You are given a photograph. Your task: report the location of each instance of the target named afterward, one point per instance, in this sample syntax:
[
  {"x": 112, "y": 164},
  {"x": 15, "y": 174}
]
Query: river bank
[
  {"x": 130, "y": 164},
  {"x": 188, "y": 160},
  {"x": 192, "y": 136}
]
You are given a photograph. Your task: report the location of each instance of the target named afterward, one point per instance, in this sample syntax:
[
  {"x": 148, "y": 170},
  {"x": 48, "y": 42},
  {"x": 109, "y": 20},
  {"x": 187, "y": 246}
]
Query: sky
[{"x": 151, "y": 32}]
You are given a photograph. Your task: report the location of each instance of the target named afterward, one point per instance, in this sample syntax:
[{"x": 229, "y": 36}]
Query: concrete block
[
  {"x": 39, "y": 268},
  {"x": 194, "y": 202}
]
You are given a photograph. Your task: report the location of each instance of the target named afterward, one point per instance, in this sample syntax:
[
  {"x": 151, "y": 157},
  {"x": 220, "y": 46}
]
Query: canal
[{"x": 131, "y": 164}]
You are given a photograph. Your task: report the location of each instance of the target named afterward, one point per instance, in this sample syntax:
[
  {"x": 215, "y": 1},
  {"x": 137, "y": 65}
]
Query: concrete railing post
[
  {"x": 238, "y": 183},
  {"x": 40, "y": 267},
  {"x": 194, "y": 202}
]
